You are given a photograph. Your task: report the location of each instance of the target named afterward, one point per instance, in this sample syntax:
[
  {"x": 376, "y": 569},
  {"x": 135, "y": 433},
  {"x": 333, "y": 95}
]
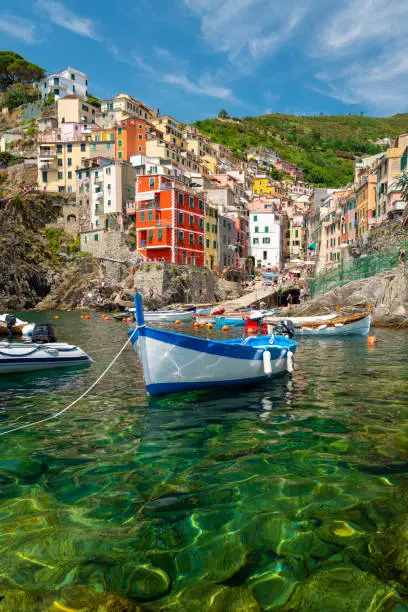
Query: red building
[{"x": 169, "y": 220}]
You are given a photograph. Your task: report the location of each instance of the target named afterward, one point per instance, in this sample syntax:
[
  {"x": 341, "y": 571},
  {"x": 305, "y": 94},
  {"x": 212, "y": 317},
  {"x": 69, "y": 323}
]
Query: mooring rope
[{"x": 55, "y": 416}]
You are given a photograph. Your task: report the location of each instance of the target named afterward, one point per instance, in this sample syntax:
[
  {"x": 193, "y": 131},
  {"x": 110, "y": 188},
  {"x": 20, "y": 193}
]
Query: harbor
[{"x": 260, "y": 495}]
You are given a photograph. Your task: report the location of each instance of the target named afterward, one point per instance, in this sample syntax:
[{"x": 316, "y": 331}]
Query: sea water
[{"x": 291, "y": 495}]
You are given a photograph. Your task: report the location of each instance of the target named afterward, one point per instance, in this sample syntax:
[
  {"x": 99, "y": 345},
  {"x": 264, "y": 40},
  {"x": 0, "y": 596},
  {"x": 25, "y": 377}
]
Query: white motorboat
[
  {"x": 18, "y": 357},
  {"x": 16, "y": 325},
  {"x": 273, "y": 320},
  {"x": 355, "y": 325}
]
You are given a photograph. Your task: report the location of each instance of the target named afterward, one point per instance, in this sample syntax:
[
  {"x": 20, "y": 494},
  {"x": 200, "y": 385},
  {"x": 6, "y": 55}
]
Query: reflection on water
[{"x": 286, "y": 496}]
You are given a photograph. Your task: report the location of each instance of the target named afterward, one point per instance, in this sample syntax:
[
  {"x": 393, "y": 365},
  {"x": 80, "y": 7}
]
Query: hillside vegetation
[{"x": 324, "y": 146}]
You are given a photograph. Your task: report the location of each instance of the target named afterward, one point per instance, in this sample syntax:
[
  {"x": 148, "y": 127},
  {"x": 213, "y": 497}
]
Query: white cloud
[
  {"x": 203, "y": 87},
  {"x": 17, "y": 27},
  {"x": 65, "y": 18},
  {"x": 366, "y": 60},
  {"x": 248, "y": 29}
]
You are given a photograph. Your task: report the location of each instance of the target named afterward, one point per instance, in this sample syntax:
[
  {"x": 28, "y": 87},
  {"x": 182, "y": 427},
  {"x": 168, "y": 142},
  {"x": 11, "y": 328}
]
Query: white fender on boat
[
  {"x": 289, "y": 362},
  {"x": 338, "y": 324},
  {"x": 321, "y": 327},
  {"x": 267, "y": 363}
]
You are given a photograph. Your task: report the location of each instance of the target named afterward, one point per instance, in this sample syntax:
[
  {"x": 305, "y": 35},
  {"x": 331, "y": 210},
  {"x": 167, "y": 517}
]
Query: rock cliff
[{"x": 386, "y": 293}]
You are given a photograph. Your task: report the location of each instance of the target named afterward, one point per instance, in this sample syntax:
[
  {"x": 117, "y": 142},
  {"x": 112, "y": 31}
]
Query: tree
[
  {"x": 93, "y": 100},
  {"x": 403, "y": 185},
  {"x": 15, "y": 69},
  {"x": 223, "y": 114},
  {"x": 18, "y": 94}
]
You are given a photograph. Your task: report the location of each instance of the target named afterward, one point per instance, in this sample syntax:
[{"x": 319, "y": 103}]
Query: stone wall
[{"x": 383, "y": 236}]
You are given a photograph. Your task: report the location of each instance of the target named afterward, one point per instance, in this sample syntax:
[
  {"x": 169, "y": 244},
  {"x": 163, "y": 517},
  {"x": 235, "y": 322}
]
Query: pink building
[
  {"x": 290, "y": 168},
  {"x": 264, "y": 203}
]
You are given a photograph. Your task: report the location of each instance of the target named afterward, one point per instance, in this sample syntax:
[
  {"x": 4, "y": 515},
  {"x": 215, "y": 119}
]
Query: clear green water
[{"x": 287, "y": 496}]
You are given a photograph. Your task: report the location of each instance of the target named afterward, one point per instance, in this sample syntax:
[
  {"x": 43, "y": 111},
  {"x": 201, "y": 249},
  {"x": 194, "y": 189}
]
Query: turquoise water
[{"x": 287, "y": 496}]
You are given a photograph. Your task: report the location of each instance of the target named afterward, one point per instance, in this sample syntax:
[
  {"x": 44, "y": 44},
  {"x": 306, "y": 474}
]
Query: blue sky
[{"x": 191, "y": 58}]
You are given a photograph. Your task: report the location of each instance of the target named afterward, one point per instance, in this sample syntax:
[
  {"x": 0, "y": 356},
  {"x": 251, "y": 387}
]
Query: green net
[{"x": 356, "y": 269}]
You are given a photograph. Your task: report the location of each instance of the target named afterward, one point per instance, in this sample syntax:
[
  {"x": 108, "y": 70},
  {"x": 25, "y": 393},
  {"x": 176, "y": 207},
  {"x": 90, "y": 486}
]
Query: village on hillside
[{"x": 128, "y": 169}]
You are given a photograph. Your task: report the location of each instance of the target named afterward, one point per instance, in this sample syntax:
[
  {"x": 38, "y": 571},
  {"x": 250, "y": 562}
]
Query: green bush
[{"x": 54, "y": 236}]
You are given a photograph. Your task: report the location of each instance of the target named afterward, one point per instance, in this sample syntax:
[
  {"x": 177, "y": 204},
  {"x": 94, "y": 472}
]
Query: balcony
[
  {"x": 98, "y": 210},
  {"x": 148, "y": 205},
  {"x": 47, "y": 154},
  {"x": 49, "y": 166},
  {"x": 397, "y": 207},
  {"x": 163, "y": 223}
]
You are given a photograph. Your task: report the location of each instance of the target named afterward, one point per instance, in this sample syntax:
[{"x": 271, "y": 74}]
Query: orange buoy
[
  {"x": 56, "y": 317},
  {"x": 177, "y": 322},
  {"x": 225, "y": 328},
  {"x": 371, "y": 340},
  {"x": 195, "y": 324},
  {"x": 106, "y": 318},
  {"x": 87, "y": 317}
]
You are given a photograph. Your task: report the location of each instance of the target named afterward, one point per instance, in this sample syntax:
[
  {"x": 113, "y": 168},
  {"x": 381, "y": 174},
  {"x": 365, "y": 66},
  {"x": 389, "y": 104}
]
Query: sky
[{"x": 191, "y": 58}]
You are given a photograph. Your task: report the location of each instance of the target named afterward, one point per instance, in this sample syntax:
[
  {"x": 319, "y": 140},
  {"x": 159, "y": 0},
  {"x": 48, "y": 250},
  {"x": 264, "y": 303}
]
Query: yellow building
[
  {"x": 211, "y": 232},
  {"x": 57, "y": 162},
  {"x": 264, "y": 185},
  {"x": 74, "y": 110}
]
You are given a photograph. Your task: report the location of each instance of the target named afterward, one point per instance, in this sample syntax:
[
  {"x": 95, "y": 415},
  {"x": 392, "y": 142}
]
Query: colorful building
[
  {"x": 263, "y": 185},
  {"x": 211, "y": 237},
  {"x": 73, "y": 109},
  {"x": 266, "y": 239},
  {"x": 169, "y": 220},
  {"x": 60, "y": 84},
  {"x": 120, "y": 108},
  {"x": 58, "y": 161}
]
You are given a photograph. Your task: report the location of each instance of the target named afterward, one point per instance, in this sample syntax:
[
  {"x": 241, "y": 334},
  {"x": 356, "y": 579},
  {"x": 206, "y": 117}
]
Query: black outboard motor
[
  {"x": 285, "y": 328},
  {"x": 44, "y": 333},
  {"x": 10, "y": 322}
]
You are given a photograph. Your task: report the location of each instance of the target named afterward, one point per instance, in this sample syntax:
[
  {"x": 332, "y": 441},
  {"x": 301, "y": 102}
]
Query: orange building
[
  {"x": 169, "y": 220},
  {"x": 131, "y": 136}
]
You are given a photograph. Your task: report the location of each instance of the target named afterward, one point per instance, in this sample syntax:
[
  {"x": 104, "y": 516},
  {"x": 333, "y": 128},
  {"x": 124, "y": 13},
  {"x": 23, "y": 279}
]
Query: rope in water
[{"x": 55, "y": 416}]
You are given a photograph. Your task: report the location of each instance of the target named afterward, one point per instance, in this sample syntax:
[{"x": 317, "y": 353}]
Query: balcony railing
[
  {"x": 163, "y": 224},
  {"x": 45, "y": 154},
  {"x": 150, "y": 205}
]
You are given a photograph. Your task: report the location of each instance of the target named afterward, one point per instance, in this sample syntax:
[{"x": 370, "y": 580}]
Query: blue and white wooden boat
[
  {"x": 175, "y": 362},
  {"x": 328, "y": 325},
  {"x": 19, "y": 357}
]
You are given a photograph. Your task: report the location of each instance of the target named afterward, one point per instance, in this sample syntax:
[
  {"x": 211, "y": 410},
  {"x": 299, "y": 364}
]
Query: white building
[
  {"x": 266, "y": 239},
  {"x": 120, "y": 108},
  {"x": 61, "y": 84}
]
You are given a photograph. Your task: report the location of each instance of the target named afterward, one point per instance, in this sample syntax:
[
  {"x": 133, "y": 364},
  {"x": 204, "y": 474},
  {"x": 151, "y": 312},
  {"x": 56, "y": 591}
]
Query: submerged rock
[
  {"x": 342, "y": 589},
  {"x": 142, "y": 582}
]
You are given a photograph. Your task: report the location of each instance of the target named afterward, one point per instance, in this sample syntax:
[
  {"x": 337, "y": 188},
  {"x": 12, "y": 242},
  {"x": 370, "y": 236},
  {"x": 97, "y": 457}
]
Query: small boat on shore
[
  {"x": 175, "y": 362},
  {"x": 18, "y": 357},
  {"x": 337, "y": 325},
  {"x": 166, "y": 316},
  {"x": 9, "y": 324}
]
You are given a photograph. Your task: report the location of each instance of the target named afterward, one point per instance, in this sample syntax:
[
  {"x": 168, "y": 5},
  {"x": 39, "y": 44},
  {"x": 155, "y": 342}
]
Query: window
[
  {"x": 83, "y": 147},
  {"x": 191, "y": 237},
  {"x": 150, "y": 215},
  {"x": 56, "y": 81},
  {"x": 70, "y": 174},
  {"x": 150, "y": 235},
  {"x": 72, "y": 76},
  {"x": 56, "y": 92},
  {"x": 140, "y": 149},
  {"x": 214, "y": 244},
  {"x": 79, "y": 175},
  {"x": 140, "y": 136},
  {"x": 207, "y": 244},
  {"x": 119, "y": 143},
  {"x": 109, "y": 202},
  {"x": 160, "y": 235},
  {"x": 296, "y": 233},
  {"x": 119, "y": 131},
  {"x": 200, "y": 204},
  {"x": 61, "y": 189},
  {"x": 59, "y": 148},
  {"x": 111, "y": 136},
  {"x": 201, "y": 222},
  {"x": 142, "y": 216},
  {"x": 255, "y": 241},
  {"x": 151, "y": 182},
  {"x": 86, "y": 239},
  {"x": 181, "y": 236},
  {"x": 200, "y": 240},
  {"x": 109, "y": 186},
  {"x": 191, "y": 220},
  {"x": 60, "y": 175},
  {"x": 108, "y": 170},
  {"x": 108, "y": 146},
  {"x": 191, "y": 202},
  {"x": 214, "y": 228},
  {"x": 266, "y": 241},
  {"x": 69, "y": 161},
  {"x": 180, "y": 217},
  {"x": 207, "y": 227},
  {"x": 256, "y": 229},
  {"x": 120, "y": 155},
  {"x": 255, "y": 217},
  {"x": 265, "y": 254},
  {"x": 266, "y": 229},
  {"x": 141, "y": 126},
  {"x": 180, "y": 198},
  {"x": 85, "y": 108},
  {"x": 59, "y": 162},
  {"x": 96, "y": 237}
]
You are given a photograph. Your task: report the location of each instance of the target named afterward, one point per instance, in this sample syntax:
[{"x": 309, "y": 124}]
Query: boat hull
[
  {"x": 17, "y": 358},
  {"x": 354, "y": 328},
  {"x": 176, "y": 362},
  {"x": 169, "y": 317}
]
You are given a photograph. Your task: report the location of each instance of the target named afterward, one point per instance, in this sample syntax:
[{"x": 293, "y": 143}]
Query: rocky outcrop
[{"x": 386, "y": 293}]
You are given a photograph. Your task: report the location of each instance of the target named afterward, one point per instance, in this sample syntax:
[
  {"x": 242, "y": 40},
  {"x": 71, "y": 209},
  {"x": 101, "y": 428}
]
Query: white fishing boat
[
  {"x": 14, "y": 325},
  {"x": 355, "y": 325},
  {"x": 18, "y": 357},
  {"x": 273, "y": 320},
  {"x": 167, "y": 316},
  {"x": 176, "y": 362}
]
